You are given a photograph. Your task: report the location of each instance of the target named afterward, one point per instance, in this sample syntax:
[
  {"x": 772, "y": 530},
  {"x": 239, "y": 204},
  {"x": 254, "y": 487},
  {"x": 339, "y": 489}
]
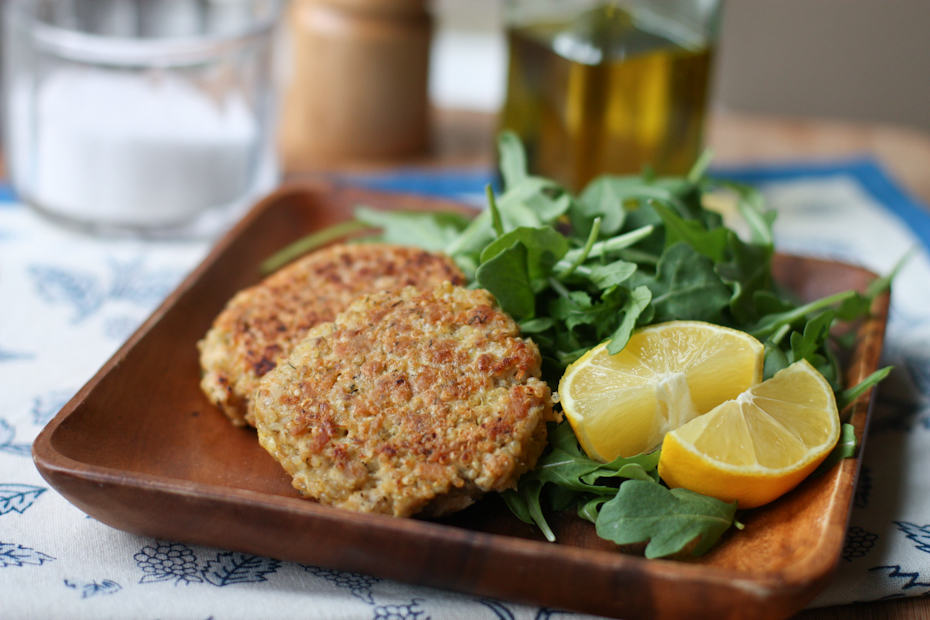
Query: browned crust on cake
[
  {"x": 261, "y": 324},
  {"x": 411, "y": 401}
]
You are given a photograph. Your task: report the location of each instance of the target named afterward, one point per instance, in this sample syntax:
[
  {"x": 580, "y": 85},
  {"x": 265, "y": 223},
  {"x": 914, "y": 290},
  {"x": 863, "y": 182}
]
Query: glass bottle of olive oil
[{"x": 611, "y": 87}]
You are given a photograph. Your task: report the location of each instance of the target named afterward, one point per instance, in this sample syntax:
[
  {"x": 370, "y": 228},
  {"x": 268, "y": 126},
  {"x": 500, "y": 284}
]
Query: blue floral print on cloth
[{"x": 67, "y": 302}]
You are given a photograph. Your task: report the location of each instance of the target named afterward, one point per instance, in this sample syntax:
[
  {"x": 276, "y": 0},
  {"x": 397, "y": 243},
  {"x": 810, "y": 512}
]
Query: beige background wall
[
  {"x": 852, "y": 59},
  {"x": 857, "y": 59}
]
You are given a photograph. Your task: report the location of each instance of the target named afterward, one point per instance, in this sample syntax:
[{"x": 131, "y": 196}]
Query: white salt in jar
[{"x": 139, "y": 114}]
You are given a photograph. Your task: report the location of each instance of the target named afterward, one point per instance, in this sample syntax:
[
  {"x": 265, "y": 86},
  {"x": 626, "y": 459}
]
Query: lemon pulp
[
  {"x": 666, "y": 375},
  {"x": 759, "y": 445}
]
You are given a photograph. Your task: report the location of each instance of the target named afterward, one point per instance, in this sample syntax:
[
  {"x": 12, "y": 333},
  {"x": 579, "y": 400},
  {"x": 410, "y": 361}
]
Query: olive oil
[{"x": 606, "y": 92}]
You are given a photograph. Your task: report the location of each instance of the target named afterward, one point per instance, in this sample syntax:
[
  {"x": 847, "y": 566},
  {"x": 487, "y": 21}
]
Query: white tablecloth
[{"x": 67, "y": 301}]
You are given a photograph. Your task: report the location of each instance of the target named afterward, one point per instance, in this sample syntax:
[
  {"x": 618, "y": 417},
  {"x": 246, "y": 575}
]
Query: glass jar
[
  {"x": 609, "y": 86},
  {"x": 133, "y": 114}
]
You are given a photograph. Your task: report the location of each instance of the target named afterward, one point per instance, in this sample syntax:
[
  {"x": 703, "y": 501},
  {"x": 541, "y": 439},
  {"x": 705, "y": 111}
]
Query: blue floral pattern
[
  {"x": 858, "y": 543},
  {"x": 230, "y": 568},
  {"x": 45, "y": 406},
  {"x": 500, "y": 610},
  {"x": 171, "y": 562},
  {"x": 357, "y": 584},
  {"x": 80, "y": 291},
  {"x": 178, "y": 563},
  {"x": 86, "y": 293},
  {"x": 8, "y": 443},
  {"x": 94, "y": 588},
  {"x": 405, "y": 611},
  {"x": 12, "y": 356},
  {"x": 12, "y": 554},
  {"x": 907, "y": 579},
  {"x": 18, "y": 497},
  {"x": 918, "y": 534}
]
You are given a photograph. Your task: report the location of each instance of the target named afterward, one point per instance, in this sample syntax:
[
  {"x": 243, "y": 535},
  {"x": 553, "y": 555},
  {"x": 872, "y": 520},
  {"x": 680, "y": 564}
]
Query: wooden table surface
[{"x": 464, "y": 138}]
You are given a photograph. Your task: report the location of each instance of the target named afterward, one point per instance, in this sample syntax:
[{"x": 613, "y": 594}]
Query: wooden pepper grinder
[{"x": 357, "y": 83}]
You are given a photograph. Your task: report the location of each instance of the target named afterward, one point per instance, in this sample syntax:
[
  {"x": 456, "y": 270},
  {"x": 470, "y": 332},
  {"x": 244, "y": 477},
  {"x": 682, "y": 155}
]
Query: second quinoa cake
[{"x": 409, "y": 402}]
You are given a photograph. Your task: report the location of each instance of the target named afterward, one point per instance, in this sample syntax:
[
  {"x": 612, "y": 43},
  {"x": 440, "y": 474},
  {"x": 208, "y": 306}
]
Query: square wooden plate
[{"x": 141, "y": 449}]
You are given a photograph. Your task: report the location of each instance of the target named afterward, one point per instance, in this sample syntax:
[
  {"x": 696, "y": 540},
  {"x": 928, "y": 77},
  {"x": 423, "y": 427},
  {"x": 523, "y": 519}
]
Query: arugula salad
[{"x": 627, "y": 251}]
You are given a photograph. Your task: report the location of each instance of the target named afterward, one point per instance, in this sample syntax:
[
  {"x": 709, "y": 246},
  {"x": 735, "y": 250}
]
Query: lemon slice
[
  {"x": 758, "y": 446},
  {"x": 668, "y": 373}
]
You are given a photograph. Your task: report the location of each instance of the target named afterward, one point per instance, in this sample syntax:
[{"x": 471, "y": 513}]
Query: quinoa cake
[
  {"x": 412, "y": 401},
  {"x": 261, "y": 324}
]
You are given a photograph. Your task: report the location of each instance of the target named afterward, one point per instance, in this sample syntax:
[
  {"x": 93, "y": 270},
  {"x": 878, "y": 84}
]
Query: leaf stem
[
  {"x": 852, "y": 393},
  {"x": 536, "y": 514},
  {"x": 700, "y": 166},
  {"x": 559, "y": 288},
  {"x": 585, "y": 251},
  {"x": 476, "y": 230},
  {"x": 603, "y": 247},
  {"x": 496, "y": 221},
  {"x": 787, "y": 318},
  {"x": 310, "y": 242},
  {"x": 777, "y": 337}
]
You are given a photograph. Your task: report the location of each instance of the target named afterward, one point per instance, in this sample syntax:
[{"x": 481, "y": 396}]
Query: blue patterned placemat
[{"x": 69, "y": 301}]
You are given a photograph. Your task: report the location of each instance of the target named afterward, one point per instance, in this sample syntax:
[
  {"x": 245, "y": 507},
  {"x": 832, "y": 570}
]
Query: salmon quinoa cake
[
  {"x": 409, "y": 402},
  {"x": 261, "y": 324}
]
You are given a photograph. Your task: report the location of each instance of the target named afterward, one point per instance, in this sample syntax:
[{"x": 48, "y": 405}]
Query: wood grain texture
[
  {"x": 141, "y": 449},
  {"x": 915, "y": 608}
]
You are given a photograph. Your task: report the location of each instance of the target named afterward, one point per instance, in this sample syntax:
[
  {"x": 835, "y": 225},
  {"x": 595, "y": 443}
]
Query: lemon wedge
[
  {"x": 756, "y": 447},
  {"x": 666, "y": 375}
]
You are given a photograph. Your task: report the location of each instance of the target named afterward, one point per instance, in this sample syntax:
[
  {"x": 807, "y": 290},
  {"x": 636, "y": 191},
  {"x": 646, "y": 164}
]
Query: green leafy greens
[
  {"x": 669, "y": 519},
  {"x": 575, "y": 270}
]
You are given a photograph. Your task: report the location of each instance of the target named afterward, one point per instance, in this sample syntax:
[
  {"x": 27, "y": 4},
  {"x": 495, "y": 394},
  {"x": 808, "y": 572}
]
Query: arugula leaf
[
  {"x": 544, "y": 247},
  {"x": 548, "y": 207},
  {"x": 430, "y": 231},
  {"x": 687, "y": 286},
  {"x": 536, "y": 325},
  {"x": 771, "y": 323},
  {"x": 512, "y": 158},
  {"x": 611, "y": 274},
  {"x": 602, "y": 198},
  {"x": 588, "y": 510},
  {"x": 845, "y": 448},
  {"x": 670, "y": 519},
  {"x": 775, "y": 359},
  {"x": 525, "y": 505},
  {"x": 712, "y": 243},
  {"x": 847, "y": 445},
  {"x": 747, "y": 271},
  {"x": 476, "y": 235},
  {"x": 506, "y": 276},
  {"x": 634, "y": 307},
  {"x": 806, "y": 344},
  {"x": 752, "y": 209},
  {"x": 847, "y": 396},
  {"x": 567, "y": 468},
  {"x": 638, "y": 467}
]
